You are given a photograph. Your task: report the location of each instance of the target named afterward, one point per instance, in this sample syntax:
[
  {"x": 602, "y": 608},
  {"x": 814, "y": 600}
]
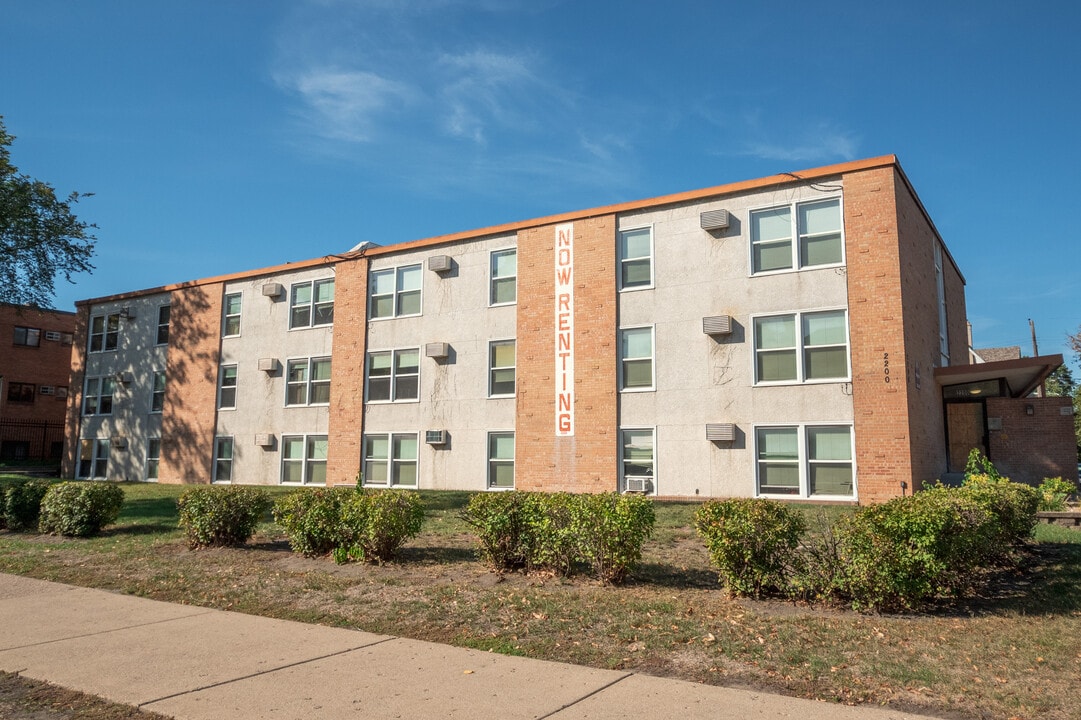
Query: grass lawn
[{"x": 1013, "y": 651}]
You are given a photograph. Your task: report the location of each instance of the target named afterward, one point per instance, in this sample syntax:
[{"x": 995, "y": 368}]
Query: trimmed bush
[
  {"x": 221, "y": 516},
  {"x": 1013, "y": 506},
  {"x": 375, "y": 524},
  {"x": 80, "y": 509},
  {"x": 504, "y": 523},
  {"x": 312, "y": 518},
  {"x": 553, "y": 533},
  {"x": 610, "y": 530},
  {"x": 3, "y": 504},
  {"x": 21, "y": 506},
  {"x": 753, "y": 543},
  {"x": 1054, "y": 492},
  {"x": 896, "y": 555}
]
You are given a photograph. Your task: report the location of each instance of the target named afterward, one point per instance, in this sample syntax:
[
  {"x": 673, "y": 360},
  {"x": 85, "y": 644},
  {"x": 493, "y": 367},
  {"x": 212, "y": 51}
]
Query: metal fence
[{"x": 31, "y": 440}]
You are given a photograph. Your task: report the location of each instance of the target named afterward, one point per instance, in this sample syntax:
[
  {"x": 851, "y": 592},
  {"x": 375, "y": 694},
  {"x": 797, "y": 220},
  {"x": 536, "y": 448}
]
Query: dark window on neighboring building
[
  {"x": 20, "y": 392},
  {"x": 29, "y": 337}
]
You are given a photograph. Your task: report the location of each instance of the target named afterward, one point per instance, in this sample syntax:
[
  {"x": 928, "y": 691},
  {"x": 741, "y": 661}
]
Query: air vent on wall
[
  {"x": 269, "y": 364},
  {"x": 717, "y": 325},
  {"x": 636, "y": 484},
  {"x": 120, "y": 443},
  {"x": 721, "y": 432},
  {"x": 437, "y": 350},
  {"x": 435, "y": 437},
  {"x": 124, "y": 378},
  {"x": 264, "y": 440},
  {"x": 52, "y": 335},
  {"x": 440, "y": 263},
  {"x": 47, "y": 390},
  {"x": 273, "y": 290},
  {"x": 61, "y": 392},
  {"x": 715, "y": 220}
]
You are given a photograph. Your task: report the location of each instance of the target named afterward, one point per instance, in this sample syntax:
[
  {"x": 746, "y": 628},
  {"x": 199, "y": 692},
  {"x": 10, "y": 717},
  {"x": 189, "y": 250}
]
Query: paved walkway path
[{"x": 200, "y": 664}]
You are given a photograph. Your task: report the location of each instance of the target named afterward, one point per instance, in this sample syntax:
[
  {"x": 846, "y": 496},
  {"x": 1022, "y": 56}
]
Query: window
[
  {"x": 227, "y": 382},
  {"x": 153, "y": 458},
  {"x": 805, "y": 461},
  {"x": 636, "y": 259},
  {"x": 817, "y": 227},
  {"x": 307, "y": 382},
  {"x": 157, "y": 397},
  {"x": 311, "y": 304},
  {"x": 304, "y": 459},
  {"x": 104, "y": 332},
  {"x": 28, "y": 337},
  {"x": 636, "y": 355},
  {"x": 943, "y": 333},
  {"x": 223, "y": 459},
  {"x": 230, "y": 325},
  {"x": 501, "y": 460},
  {"x": 820, "y": 352},
  {"x": 504, "y": 290},
  {"x": 20, "y": 392},
  {"x": 395, "y": 292},
  {"x": 501, "y": 368},
  {"x": 394, "y": 375},
  {"x": 390, "y": 460},
  {"x": 163, "y": 325},
  {"x": 98, "y": 397},
  {"x": 93, "y": 458},
  {"x": 636, "y": 461}
]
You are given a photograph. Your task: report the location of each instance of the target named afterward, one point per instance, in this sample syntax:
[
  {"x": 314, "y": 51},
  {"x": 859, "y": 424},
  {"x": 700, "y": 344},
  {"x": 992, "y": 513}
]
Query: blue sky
[{"x": 229, "y": 135}]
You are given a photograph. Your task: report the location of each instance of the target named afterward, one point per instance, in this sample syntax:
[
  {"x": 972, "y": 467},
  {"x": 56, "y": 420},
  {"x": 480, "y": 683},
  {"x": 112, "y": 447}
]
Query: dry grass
[{"x": 1013, "y": 652}]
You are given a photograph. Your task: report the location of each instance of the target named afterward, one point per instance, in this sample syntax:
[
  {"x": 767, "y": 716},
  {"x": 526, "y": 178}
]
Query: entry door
[{"x": 966, "y": 429}]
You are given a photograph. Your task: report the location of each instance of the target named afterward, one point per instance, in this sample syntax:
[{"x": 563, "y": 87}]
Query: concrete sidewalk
[{"x": 191, "y": 662}]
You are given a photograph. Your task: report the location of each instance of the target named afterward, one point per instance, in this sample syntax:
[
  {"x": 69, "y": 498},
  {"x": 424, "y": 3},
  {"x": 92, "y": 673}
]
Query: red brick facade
[
  {"x": 586, "y": 461},
  {"x": 1029, "y": 448},
  {"x": 347, "y": 366}
]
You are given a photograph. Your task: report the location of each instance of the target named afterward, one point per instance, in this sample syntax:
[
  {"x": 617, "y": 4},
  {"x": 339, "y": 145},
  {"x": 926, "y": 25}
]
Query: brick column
[
  {"x": 347, "y": 368},
  {"x": 70, "y": 461}
]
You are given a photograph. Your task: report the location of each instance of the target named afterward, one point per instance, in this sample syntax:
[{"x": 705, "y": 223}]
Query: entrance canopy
[{"x": 1021, "y": 376}]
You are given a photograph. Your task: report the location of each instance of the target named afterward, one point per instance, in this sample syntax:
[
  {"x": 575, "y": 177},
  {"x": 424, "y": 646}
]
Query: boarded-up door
[{"x": 966, "y": 429}]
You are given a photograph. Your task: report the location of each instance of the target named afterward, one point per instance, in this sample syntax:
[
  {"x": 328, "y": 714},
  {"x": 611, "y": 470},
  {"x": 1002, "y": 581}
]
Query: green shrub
[
  {"x": 1013, "y": 506},
  {"x": 1054, "y": 492},
  {"x": 504, "y": 524},
  {"x": 979, "y": 467},
  {"x": 554, "y": 543},
  {"x": 221, "y": 515},
  {"x": 312, "y": 519},
  {"x": 753, "y": 543},
  {"x": 899, "y": 554},
  {"x": 376, "y": 523},
  {"x": 21, "y": 507},
  {"x": 610, "y": 530},
  {"x": 3, "y": 504},
  {"x": 80, "y": 509}
]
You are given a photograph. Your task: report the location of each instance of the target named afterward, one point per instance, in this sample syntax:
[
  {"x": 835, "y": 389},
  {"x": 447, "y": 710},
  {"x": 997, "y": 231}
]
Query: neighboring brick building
[
  {"x": 35, "y": 368},
  {"x": 790, "y": 337}
]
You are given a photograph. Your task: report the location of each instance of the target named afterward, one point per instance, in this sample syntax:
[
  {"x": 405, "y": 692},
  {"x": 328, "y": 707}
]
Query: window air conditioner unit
[
  {"x": 47, "y": 390},
  {"x": 717, "y": 325},
  {"x": 715, "y": 220},
  {"x": 124, "y": 378},
  {"x": 721, "y": 432},
  {"x": 440, "y": 263},
  {"x": 273, "y": 290},
  {"x": 636, "y": 484},
  {"x": 61, "y": 392},
  {"x": 52, "y": 335},
  {"x": 269, "y": 364},
  {"x": 437, "y": 350},
  {"x": 120, "y": 443},
  {"x": 435, "y": 437},
  {"x": 264, "y": 440}
]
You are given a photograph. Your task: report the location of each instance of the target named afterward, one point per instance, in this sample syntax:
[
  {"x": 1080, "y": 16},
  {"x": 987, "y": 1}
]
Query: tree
[
  {"x": 1061, "y": 383},
  {"x": 40, "y": 236}
]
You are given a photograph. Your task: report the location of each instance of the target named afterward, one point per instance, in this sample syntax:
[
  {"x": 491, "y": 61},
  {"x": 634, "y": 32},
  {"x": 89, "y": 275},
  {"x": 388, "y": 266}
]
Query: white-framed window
[
  {"x": 501, "y": 460},
  {"x": 801, "y": 347},
  {"x": 304, "y": 459},
  {"x": 153, "y": 458},
  {"x": 943, "y": 330},
  {"x": 223, "y": 459},
  {"x": 157, "y": 394},
  {"x": 307, "y": 381},
  {"x": 311, "y": 304},
  {"x": 390, "y": 460},
  {"x": 395, "y": 292},
  {"x": 805, "y": 460},
  {"x": 98, "y": 395},
  {"x": 104, "y": 332},
  {"x": 504, "y": 274},
  {"x": 232, "y": 304},
  {"x": 636, "y": 259},
  {"x": 501, "y": 370},
  {"x": 394, "y": 375},
  {"x": 796, "y": 236},
  {"x": 27, "y": 336},
  {"x": 163, "y": 324},
  {"x": 637, "y": 460},
  {"x": 636, "y": 358},
  {"x": 227, "y": 384},
  {"x": 93, "y": 459}
]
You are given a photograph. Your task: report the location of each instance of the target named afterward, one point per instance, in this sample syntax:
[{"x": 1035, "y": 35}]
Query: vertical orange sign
[{"x": 564, "y": 335}]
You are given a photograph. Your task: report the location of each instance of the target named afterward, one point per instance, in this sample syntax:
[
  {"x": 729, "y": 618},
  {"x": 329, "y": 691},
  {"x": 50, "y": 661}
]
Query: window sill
[{"x": 788, "y": 271}]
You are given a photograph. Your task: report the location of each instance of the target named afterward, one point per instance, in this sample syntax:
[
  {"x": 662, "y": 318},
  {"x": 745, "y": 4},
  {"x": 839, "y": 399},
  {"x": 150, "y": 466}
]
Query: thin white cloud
[
  {"x": 812, "y": 145},
  {"x": 346, "y": 104},
  {"x": 483, "y": 88}
]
